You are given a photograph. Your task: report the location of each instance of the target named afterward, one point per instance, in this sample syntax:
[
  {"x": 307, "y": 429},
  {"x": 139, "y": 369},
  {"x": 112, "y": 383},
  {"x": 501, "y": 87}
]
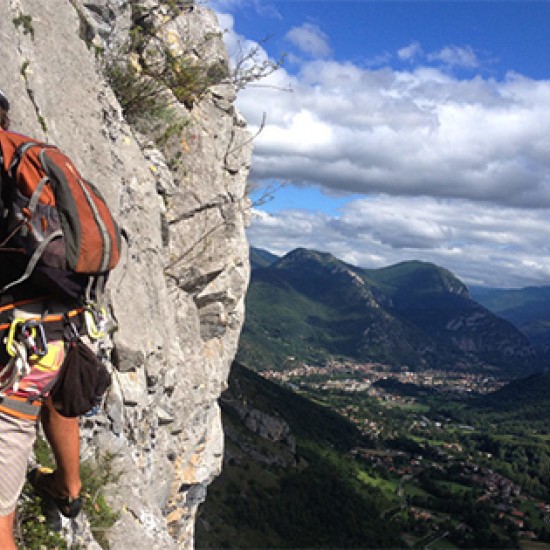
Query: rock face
[
  {"x": 254, "y": 427},
  {"x": 266, "y": 427},
  {"x": 178, "y": 293}
]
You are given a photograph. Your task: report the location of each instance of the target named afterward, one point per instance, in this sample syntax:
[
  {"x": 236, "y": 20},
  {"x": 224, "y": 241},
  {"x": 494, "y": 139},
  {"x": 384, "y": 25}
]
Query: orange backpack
[{"x": 50, "y": 212}]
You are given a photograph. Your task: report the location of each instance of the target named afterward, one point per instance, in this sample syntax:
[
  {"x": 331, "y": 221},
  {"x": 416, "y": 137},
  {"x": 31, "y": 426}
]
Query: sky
[{"x": 400, "y": 130}]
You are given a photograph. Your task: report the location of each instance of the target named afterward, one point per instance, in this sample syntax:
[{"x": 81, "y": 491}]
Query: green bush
[
  {"x": 32, "y": 530},
  {"x": 100, "y": 515},
  {"x": 146, "y": 71}
]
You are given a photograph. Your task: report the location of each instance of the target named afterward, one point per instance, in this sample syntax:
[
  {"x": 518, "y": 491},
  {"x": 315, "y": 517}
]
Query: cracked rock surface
[{"x": 178, "y": 293}]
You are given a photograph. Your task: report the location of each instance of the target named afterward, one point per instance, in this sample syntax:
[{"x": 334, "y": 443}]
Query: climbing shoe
[{"x": 43, "y": 483}]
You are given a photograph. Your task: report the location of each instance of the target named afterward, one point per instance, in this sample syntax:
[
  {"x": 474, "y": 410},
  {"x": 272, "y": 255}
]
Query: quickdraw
[
  {"x": 26, "y": 341},
  {"x": 27, "y": 348},
  {"x": 16, "y": 368},
  {"x": 30, "y": 333}
]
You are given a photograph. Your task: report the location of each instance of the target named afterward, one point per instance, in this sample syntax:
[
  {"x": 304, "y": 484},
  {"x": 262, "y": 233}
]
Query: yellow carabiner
[
  {"x": 11, "y": 337},
  {"x": 90, "y": 316}
]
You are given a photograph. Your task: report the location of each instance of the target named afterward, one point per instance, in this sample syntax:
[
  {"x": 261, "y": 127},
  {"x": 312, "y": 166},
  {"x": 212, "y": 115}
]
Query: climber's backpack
[{"x": 49, "y": 212}]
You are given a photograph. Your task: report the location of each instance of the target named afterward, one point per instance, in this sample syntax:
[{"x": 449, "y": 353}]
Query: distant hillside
[
  {"x": 288, "y": 479},
  {"x": 261, "y": 258},
  {"x": 521, "y": 396},
  {"x": 310, "y": 305},
  {"x": 527, "y": 308}
]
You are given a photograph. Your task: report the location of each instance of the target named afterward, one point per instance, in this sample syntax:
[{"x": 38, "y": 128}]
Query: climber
[{"x": 20, "y": 404}]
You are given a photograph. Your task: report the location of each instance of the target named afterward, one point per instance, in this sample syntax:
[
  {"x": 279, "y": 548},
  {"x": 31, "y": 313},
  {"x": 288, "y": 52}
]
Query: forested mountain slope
[
  {"x": 309, "y": 306},
  {"x": 527, "y": 308},
  {"x": 288, "y": 479}
]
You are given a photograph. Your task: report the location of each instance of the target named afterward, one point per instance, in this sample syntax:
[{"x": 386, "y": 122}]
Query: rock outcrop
[{"x": 178, "y": 294}]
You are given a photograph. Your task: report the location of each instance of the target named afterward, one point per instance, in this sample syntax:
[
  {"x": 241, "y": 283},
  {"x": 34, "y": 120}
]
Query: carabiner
[
  {"x": 95, "y": 319},
  {"x": 34, "y": 338},
  {"x": 12, "y": 336}
]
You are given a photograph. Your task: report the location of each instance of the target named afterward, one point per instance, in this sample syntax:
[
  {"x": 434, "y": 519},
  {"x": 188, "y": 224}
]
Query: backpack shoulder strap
[
  {"x": 13, "y": 145},
  {"x": 33, "y": 261},
  {"x": 18, "y": 155}
]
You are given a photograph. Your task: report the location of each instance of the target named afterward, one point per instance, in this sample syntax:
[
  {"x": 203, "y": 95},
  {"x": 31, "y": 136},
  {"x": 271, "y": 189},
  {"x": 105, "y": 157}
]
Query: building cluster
[
  {"x": 358, "y": 377},
  {"x": 494, "y": 488},
  {"x": 501, "y": 493}
]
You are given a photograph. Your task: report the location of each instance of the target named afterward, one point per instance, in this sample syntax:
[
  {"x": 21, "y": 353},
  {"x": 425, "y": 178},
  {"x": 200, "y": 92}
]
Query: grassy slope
[
  {"x": 261, "y": 258},
  {"x": 318, "y": 501},
  {"x": 283, "y": 322}
]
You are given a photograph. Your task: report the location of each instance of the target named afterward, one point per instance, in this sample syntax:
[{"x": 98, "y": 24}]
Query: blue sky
[
  {"x": 509, "y": 35},
  {"x": 414, "y": 130}
]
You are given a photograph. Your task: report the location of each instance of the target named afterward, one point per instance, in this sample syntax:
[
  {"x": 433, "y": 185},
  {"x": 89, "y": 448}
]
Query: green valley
[
  {"x": 380, "y": 408},
  {"x": 397, "y": 467}
]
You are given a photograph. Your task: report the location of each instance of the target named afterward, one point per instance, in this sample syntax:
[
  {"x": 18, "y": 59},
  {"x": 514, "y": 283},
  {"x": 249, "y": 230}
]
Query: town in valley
[{"x": 451, "y": 487}]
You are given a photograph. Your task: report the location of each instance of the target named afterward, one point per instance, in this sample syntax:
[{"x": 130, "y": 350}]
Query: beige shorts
[{"x": 16, "y": 440}]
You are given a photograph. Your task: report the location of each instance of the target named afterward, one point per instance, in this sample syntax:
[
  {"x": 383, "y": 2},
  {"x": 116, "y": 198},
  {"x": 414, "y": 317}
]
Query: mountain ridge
[
  {"x": 527, "y": 308},
  {"x": 311, "y": 305}
]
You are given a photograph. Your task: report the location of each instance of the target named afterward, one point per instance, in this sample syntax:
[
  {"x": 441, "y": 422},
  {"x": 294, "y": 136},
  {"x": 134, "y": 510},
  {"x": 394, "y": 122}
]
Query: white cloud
[
  {"x": 456, "y": 56},
  {"x": 420, "y": 132},
  {"x": 262, "y": 8},
  {"x": 410, "y": 52},
  {"x": 477, "y": 243},
  {"x": 450, "y": 56},
  {"x": 457, "y": 170},
  {"x": 310, "y": 39}
]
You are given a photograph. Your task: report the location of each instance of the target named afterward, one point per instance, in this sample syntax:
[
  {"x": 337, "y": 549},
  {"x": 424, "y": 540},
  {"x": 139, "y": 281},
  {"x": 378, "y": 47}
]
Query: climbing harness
[
  {"x": 36, "y": 346},
  {"x": 21, "y": 407},
  {"x": 52, "y": 322},
  {"x": 26, "y": 342}
]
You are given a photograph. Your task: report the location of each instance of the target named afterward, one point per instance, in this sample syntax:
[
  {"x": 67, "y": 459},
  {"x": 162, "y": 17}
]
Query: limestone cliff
[{"x": 178, "y": 295}]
